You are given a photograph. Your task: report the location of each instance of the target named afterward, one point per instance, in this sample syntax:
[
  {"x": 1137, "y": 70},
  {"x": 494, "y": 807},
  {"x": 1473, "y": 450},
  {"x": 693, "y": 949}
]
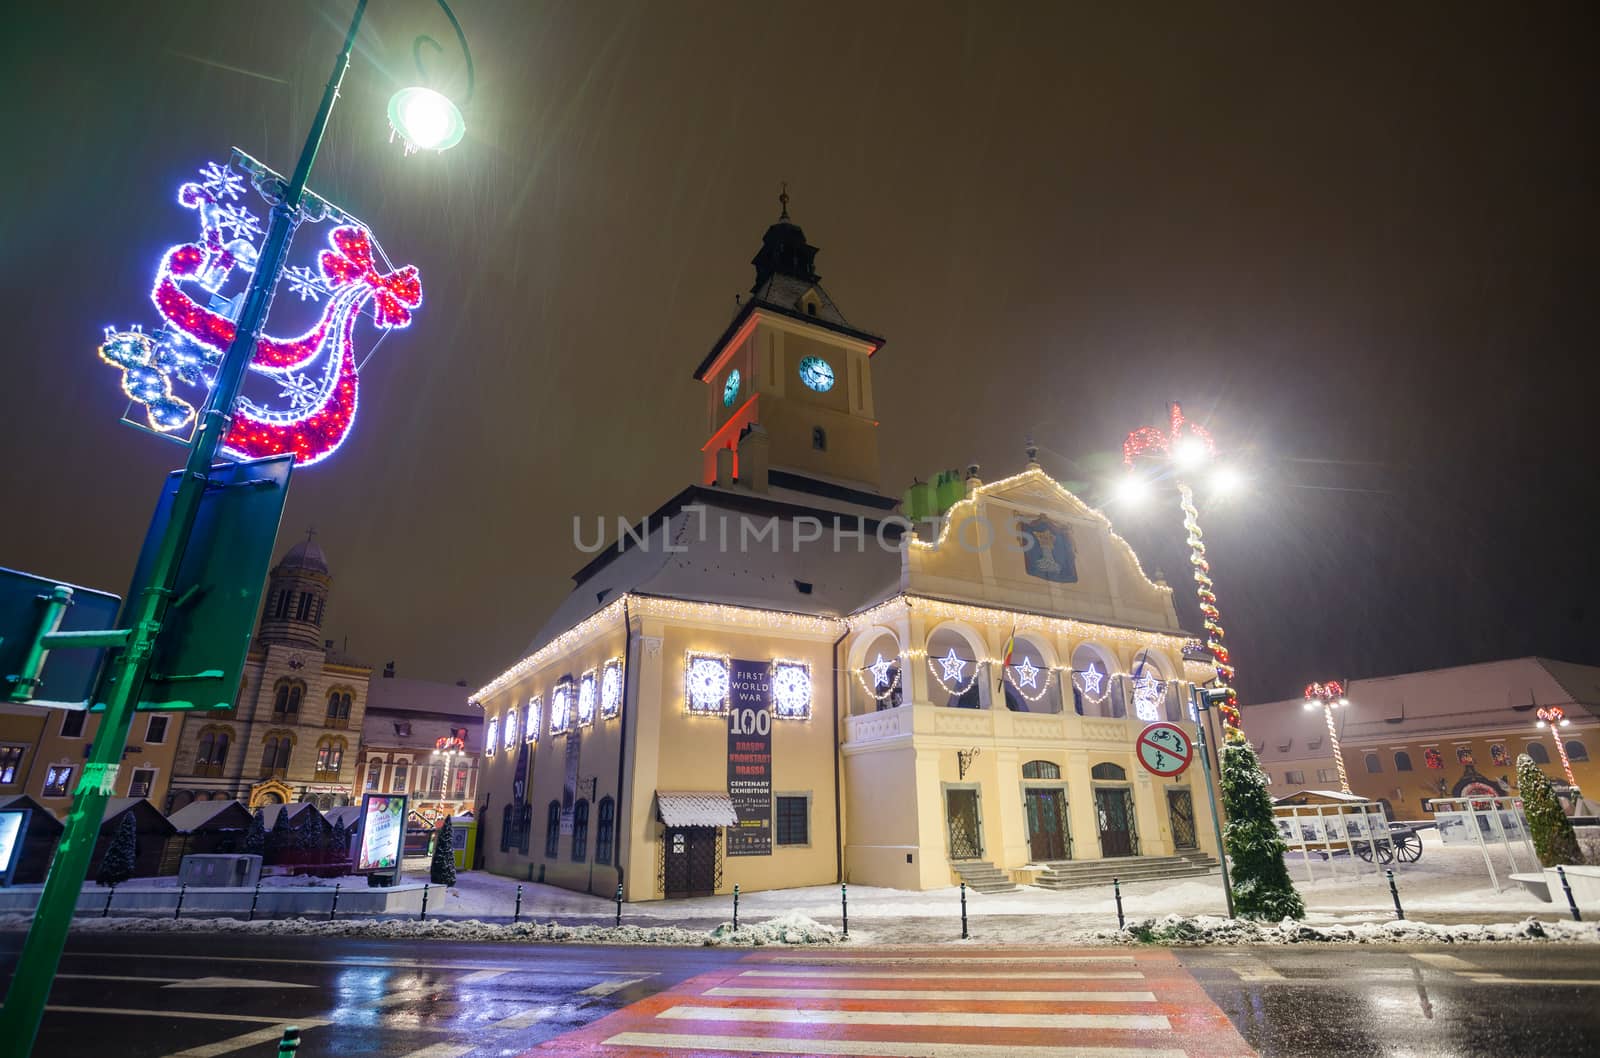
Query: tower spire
[{"x": 783, "y": 200}]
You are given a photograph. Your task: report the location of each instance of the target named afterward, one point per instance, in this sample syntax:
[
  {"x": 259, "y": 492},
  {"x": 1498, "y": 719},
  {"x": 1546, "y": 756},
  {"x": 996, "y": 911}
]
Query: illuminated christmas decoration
[
  {"x": 1147, "y": 694},
  {"x": 586, "y": 699},
  {"x": 950, "y": 667},
  {"x": 1185, "y": 445},
  {"x": 706, "y": 683},
  {"x": 561, "y": 707},
  {"x": 1089, "y": 681},
  {"x": 535, "y": 718},
  {"x": 611, "y": 688},
  {"x": 880, "y": 671},
  {"x": 1433, "y": 759},
  {"x": 511, "y": 729},
  {"x": 1027, "y": 674},
  {"x": 791, "y": 689},
  {"x": 1556, "y": 718},
  {"x": 300, "y": 395},
  {"x": 1329, "y": 696},
  {"x": 491, "y": 733}
]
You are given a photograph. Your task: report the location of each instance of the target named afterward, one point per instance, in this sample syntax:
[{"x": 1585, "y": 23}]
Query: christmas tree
[
  {"x": 1261, "y": 885},
  {"x": 338, "y": 847},
  {"x": 443, "y": 869},
  {"x": 1553, "y": 838},
  {"x": 117, "y": 865},
  {"x": 255, "y": 835}
]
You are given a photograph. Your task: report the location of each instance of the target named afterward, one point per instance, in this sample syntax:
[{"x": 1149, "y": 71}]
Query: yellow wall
[
  {"x": 53, "y": 747},
  {"x": 1406, "y": 790}
]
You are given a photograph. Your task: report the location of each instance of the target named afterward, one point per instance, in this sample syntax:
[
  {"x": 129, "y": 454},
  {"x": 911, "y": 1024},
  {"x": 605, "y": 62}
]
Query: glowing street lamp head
[
  {"x": 1189, "y": 452},
  {"x": 426, "y": 120},
  {"x": 1227, "y": 480},
  {"x": 1132, "y": 490}
]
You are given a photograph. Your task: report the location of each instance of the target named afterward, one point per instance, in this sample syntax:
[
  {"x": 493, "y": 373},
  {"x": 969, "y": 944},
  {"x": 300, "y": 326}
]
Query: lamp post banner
[{"x": 750, "y": 757}]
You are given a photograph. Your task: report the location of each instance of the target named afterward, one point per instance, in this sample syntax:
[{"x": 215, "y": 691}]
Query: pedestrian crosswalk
[{"x": 965, "y": 1003}]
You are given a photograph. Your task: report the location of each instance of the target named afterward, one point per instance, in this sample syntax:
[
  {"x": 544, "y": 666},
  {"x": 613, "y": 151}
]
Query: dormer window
[
  {"x": 811, "y": 308},
  {"x": 819, "y": 439}
]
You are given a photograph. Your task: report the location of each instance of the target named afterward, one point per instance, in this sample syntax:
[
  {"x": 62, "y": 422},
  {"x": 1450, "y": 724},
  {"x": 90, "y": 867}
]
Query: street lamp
[
  {"x": 1556, "y": 718},
  {"x": 146, "y": 610},
  {"x": 426, "y": 119},
  {"x": 1330, "y": 696},
  {"x": 1180, "y": 450}
]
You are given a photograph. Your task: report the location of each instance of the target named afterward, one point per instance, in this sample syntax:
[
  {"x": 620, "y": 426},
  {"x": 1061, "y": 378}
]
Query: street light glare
[
  {"x": 1132, "y": 490},
  {"x": 1189, "y": 452},
  {"x": 1227, "y": 480},
  {"x": 426, "y": 120}
]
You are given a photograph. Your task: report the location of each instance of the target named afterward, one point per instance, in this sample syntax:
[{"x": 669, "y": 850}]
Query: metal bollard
[
  {"x": 424, "y": 916},
  {"x": 182, "y": 891},
  {"x": 255, "y": 897},
  {"x": 844, "y": 907},
  {"x": 334, "y": 910},
  {"x": 1561, "y": 872},
  {"x": 736, "y": 905},
  {"x": 964, "y": 934},
  {"x": 619, "y": 903},
  {"x": 106, "y": 911},
  {"x": 1116, "y": 889},
  {"x": 516, "y": 913},
  {"x": 290, "y": 1043},
  {"x": 1399, "y": 912}
]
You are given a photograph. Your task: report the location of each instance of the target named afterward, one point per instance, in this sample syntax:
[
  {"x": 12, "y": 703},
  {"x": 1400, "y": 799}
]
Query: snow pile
[
  {"x": 791, "y": 928},
  {"x": 1179, "y": 930}
]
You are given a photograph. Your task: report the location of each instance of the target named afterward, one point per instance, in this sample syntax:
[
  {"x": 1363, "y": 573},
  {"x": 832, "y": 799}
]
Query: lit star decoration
[
  {"x": 880, "y": 671},
  {"x": 953, "y": 666},
  {"x": 791, "y": 689},
  {"x": 511, "y": 729},
  {"x": 586, "y": 699},
  {"x": 1027, "y": 674},
  {"x": 949, "y": 668},
  {"x": 707, "y": 684},
  {"x": 1091, "y": 679},
  {"x": 314, "y": 405},
  {"x": 491, "y": 733},
  {"x": 535, "y": 717},
  {"x": 560, "y": 707},
  {"x": 611, "y": 688},
  {"x": 1147, "y": 694}
]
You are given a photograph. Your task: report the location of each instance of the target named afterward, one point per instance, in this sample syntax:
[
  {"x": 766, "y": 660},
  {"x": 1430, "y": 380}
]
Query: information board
[{"x": 383, "y": 831}]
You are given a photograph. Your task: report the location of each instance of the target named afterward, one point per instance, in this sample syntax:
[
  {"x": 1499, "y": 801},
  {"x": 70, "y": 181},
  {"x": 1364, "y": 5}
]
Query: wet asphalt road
[{"x": 209, "y": 996}]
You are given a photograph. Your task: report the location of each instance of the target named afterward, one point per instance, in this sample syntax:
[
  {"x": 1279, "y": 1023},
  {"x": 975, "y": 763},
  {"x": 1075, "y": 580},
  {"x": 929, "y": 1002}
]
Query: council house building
[{"x": 783, "y": 677}]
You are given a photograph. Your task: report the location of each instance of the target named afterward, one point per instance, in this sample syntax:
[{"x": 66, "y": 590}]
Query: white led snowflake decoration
[
  {"x": 791, "y": 689},
  {"x": 511, "y": 729},
  {"x": 611, "y": 688},
  {"x": 303, "y": 283},
  {"x": 221, "y": 180},
  {"x": 492, "y": 733},
  {"x": 535, "y": 718},
  {"x": 560, "y": 707},
  {"x": 1147, "y": 694},
  {"x": 586, "y": 699},
  {"x": 707, "y": 684}
]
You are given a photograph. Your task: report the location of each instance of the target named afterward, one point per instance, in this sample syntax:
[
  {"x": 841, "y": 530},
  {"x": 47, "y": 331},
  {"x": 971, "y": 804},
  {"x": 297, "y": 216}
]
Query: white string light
[
  {"x": 535, "y": 718},
  {"x": 887, "y": 692},
  {"x": 706, "y": 680},
  {"x": 586, "y": 699},
  {"x": 561, "y": 706},
  {"x": 950, "y": 663},
  {"x": 1017, "y": 684}
]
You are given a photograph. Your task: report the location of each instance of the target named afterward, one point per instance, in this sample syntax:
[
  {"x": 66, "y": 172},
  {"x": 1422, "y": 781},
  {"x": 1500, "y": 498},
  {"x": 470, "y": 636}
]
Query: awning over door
[{"x": 695, "y": 809}]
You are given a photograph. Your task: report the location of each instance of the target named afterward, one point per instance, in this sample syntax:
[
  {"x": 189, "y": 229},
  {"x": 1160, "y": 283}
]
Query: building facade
[
  {"x": 424, "y": 740},
  {"x": 774, "y": 680},
  {"x": 294, "y": 732},
  {"x": 1451, "y": 732},
  {"x": 42, "y": 753}
]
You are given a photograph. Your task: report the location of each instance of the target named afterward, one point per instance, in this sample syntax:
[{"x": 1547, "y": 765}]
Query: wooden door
[
  {"x": 1116, "y": 821},
  {"x": 691, "y": 861},
  {"x": 1047, "y": 832}
]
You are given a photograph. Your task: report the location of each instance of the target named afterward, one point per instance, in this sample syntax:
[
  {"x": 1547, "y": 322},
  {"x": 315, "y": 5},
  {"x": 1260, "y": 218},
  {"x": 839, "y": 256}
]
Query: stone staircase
[
  {"x": 983, "y": 877},
  {"x": 1080, "y": 874}
]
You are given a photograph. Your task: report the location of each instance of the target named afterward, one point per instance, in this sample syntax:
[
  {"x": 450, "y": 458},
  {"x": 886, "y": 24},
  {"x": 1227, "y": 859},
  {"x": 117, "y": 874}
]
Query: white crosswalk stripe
[
  {"x": 935, "y": 993},
  {"x": 885, "y": 1048},
  {"x": 908, "y": 1017}
]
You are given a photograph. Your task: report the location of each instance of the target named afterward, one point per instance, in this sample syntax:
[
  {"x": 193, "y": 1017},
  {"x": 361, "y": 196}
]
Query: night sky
[{"x": 1359, "y": 243}]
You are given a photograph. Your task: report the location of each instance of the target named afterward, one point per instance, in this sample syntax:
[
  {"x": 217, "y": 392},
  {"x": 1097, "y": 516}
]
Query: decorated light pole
[
  {"x": 1330, "y": 696},
  {"x": 212, "y": 344},
  {"x": 1555, "y": 718},
  {"x": 1179, "y": 450}
]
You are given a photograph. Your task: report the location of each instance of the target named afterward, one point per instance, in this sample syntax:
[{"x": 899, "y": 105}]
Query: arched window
[
  {"x": 524, "y": 827},
  {"x": 511, "y": 729},
  {"x": 281, "y": 611},
  {"x": 580, "y": 831},
  {"x": 1108, "y": 770},
  {"x": 1539, "y": 754},
  {"x": 955, "y": 676},
  {"x": 211, "y": 752},
  {"x": 1374, "y": 765},
  {"x": 339, "y": 702},
  {"x": 330, "y": 757},
  {"x": 552, "y": 830},
  {"x": 1577, "y": 750},
  {"x": 1041, "y": 769},
  {"x": 402, "y": 772},
  {"x": 275, "y": 750},
  {"x": 1031, "y": 685},
  {"x": 1093, "y": 675},
  {"x": 491, "y": 736},
  {"x": 286, "y": 701},
  {"x": 307, "y": 603},
  {"x": 602, "y": 836},
  {"x": 374, "y": 775},
  {"x": 1402, "y": 761},
  {"x": 877, "y": 684}
]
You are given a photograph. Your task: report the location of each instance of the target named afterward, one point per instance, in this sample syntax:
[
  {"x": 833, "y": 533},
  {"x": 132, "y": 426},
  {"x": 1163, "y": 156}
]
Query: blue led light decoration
[{"x": 816, "y": 373}]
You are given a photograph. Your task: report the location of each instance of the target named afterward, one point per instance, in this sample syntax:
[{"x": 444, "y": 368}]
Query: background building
[
  {"x": 295, "y": 730},
  {"x": 422, "y": 739},
  {"x": 1440, "y": 733},
  {"x": 756, "y": 686}
]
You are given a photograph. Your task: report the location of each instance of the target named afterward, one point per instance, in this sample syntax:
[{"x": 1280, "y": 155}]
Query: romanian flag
[{"x": 1011, "y": 648}]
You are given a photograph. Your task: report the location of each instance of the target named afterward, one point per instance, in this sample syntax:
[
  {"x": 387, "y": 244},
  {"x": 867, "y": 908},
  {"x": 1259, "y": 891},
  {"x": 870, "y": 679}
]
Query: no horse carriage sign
[{"x": 1165, "y": 750}]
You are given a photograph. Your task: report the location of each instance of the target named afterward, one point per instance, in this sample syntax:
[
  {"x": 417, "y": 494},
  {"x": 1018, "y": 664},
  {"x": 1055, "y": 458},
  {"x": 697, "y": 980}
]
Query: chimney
[
  {"x": 754, "y": 446},
  {"x": 388, "y": 670}
]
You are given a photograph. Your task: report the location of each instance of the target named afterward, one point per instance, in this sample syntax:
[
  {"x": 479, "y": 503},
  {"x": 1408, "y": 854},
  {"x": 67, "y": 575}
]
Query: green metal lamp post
[{"x": 144, "y": 614}]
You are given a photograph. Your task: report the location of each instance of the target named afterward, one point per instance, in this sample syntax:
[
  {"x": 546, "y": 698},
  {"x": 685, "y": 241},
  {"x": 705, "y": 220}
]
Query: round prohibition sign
[{"x": 1165, "y": 750}]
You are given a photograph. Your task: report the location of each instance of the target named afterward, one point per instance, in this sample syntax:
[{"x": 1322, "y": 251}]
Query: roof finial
[
  {"x": 783, "y": 199},
  {"x": 310, "y": 532},
  {"x": 1033, "y": 452}
]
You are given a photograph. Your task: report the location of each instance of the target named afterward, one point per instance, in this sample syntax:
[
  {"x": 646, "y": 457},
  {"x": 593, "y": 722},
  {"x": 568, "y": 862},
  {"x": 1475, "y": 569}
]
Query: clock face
[
  {"x": 816, "y": 374},
  {"x": 730, "y": 388}
]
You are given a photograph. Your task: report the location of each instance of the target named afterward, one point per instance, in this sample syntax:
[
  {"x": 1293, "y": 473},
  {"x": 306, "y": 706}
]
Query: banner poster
[
  {"x": 383, "y": 828},
  {"x": 519, "y": 778},
  {"x": 1454, "y": 828},
  {"x": 750, "y": 757},
  {"x": 13, "y": 824},
  {"x": 569, "y": 783}
]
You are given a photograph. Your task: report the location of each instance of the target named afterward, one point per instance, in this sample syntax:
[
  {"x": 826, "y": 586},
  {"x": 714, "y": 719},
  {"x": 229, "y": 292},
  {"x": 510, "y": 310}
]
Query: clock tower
[{"x": 789, "y": 382}]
